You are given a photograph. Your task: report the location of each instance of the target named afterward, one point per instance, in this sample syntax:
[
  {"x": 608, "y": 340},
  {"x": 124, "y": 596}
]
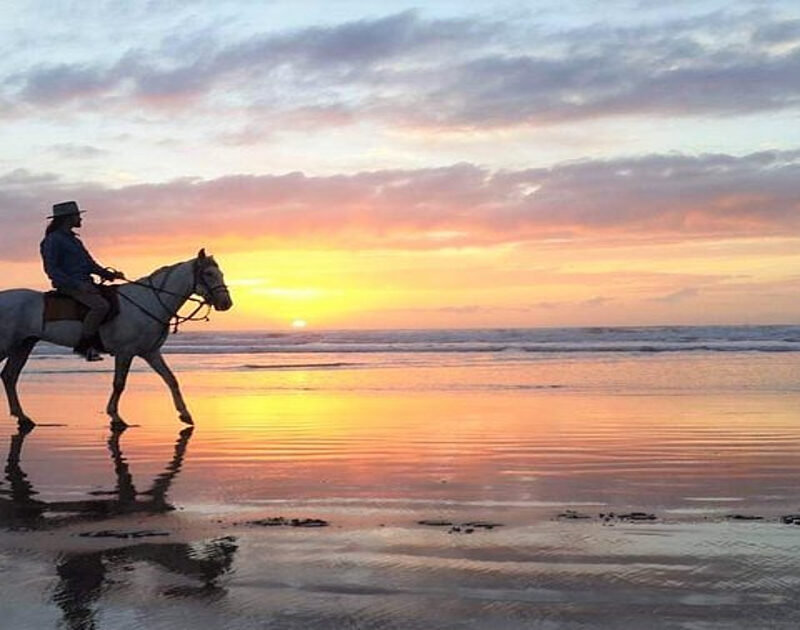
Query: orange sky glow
[{"x": 420, "y": 167}]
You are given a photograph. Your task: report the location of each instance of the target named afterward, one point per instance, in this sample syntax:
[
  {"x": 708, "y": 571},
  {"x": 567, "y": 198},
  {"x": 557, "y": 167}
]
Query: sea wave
[
  {"x": 519, "y": 341},
  {"x": 473, "y": 349}
]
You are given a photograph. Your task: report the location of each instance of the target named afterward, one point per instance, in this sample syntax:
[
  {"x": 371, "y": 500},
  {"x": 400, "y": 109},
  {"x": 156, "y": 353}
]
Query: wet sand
[{"x": 451, "y": 497}]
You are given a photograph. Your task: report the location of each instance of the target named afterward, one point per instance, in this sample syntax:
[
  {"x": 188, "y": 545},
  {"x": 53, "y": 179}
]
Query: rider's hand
[{"x": 115, "y": 274}]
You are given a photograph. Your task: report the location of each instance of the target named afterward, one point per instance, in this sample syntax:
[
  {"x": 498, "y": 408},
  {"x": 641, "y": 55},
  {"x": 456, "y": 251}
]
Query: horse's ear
[{"x": 201, "y": 254}]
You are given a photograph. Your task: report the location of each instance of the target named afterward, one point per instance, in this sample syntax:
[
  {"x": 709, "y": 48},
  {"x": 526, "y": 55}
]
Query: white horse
[{"x": 147, "y": 307}]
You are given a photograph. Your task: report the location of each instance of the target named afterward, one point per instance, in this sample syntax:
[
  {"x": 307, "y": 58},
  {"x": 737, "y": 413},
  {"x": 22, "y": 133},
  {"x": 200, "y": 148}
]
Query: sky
[{"x": 396, "y": 165}]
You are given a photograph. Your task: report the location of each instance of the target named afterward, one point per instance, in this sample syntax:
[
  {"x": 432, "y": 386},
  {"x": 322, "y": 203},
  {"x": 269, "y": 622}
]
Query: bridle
[
  {"x": 173, "y": 318},
  {"x": 197, "y": 271}
]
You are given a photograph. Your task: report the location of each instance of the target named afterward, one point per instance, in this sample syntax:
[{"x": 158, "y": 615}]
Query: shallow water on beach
[{"x": 458, "y": 492}]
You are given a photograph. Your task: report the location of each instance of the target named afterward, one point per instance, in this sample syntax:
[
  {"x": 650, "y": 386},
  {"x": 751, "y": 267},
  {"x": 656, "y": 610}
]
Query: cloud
[
  {"x": 684, "y": 67},
  {"x": 547, "y": 305},
  {"x": 596, "y": 302},
  {"x": 343, "y": 54},
  {"x": 678, "y": 296},
  {"x": 77, "y": 151},
  {"x": 778, "y": 32},
  {"x": 53, "y": 85},
  {"x": 462, "y": 310},
  {"x": 470, "y": 73},
  {"x": 653, "y": 198},
  {"x": 465, "y": 310}
]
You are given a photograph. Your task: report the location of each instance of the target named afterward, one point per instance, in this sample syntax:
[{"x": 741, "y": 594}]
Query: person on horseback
[{"x": 70, "y": 267}]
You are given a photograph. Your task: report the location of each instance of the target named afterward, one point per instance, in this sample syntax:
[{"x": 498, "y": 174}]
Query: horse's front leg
[
  {"x": 156, "y": 361},
  {"x": 122, "y": 364}
]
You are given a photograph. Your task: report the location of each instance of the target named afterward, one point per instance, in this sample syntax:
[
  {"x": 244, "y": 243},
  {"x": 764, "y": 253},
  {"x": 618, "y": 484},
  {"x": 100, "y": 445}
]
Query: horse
[{"x": 147, "y": 307}]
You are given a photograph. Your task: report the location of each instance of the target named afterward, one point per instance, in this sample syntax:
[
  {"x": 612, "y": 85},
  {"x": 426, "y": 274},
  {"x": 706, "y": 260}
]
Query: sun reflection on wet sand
[
  {"x": 376, "y": 461},
  {"x": 554, "y": 444}
]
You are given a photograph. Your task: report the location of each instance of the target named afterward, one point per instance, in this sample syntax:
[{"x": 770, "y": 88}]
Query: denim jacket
[{"x": 66, "y": 261}]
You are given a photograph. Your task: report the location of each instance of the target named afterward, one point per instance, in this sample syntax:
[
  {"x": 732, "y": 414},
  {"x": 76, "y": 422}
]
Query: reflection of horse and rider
[
  {"x": 85, "y": 576},
  {"x": 133, "y": 319}
]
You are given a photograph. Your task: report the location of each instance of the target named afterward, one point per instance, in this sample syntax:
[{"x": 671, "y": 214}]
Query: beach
[{"x": 514, "y": 479}]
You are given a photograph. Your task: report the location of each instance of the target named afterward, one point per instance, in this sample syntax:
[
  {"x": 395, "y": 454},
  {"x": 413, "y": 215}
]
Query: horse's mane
[
  {"x": 150, "y": 276},
  {"x": 207, "y": 261}
]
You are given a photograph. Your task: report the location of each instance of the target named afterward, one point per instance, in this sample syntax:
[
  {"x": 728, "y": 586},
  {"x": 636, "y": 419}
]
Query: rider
[{"x": 69, "y": 267}]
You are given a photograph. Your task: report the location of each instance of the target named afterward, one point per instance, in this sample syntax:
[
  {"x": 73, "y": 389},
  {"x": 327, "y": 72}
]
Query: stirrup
[
  {"x": 92, "y": 355},
  {"x": 87, "y": 351}
]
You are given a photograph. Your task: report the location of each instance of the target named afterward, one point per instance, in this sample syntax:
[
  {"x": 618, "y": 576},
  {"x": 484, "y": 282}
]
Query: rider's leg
[{"x": 89, "y": 295}]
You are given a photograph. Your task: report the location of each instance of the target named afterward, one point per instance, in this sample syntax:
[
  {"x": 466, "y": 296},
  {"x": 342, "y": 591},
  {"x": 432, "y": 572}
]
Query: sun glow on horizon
[{"x": 571, "y": 284}]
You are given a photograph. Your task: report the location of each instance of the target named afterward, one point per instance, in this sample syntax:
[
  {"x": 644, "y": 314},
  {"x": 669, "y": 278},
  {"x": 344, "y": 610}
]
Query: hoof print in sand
[
  {"x": 110, "y": 533},
  {"x": 611, "y": 518},
  {"x": 608, "y": 518},
  {"x": 573, "y": 515},
  {"x": 280, "y": 521},
  {"x": 636, "y": 516},
  {"x": 461, "y": 528}
]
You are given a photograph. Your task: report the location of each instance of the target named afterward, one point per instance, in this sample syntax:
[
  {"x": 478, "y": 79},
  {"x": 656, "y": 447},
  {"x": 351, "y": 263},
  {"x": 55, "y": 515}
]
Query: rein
[{"x": 174, "y": 319}]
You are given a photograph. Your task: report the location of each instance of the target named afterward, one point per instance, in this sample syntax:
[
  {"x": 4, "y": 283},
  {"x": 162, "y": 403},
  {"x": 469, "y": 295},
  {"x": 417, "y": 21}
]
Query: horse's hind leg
[
  {"x": 122, "y": 364},
  {"x": 17, "y": 357}
]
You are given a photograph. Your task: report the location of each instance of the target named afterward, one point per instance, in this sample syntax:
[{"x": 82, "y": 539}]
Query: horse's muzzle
[{"x": 223, "y": 304}]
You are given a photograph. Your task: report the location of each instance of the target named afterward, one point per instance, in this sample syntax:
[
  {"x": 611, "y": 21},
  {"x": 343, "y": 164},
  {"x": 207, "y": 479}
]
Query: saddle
[{"x": 59, "y": 306}]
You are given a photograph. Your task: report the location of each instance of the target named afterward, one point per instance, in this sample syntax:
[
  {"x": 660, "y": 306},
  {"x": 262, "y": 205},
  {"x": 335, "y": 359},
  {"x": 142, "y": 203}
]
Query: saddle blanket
[{"x": 59, "y": 306}]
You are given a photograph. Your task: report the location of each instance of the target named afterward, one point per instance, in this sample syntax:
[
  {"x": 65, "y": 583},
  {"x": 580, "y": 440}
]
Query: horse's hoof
[
  {"x": 186, "y": 417},
  {"x": 118, "y": 425},
  {"x": 186, "y": 432},
  {"x": 25, "y": 424}
]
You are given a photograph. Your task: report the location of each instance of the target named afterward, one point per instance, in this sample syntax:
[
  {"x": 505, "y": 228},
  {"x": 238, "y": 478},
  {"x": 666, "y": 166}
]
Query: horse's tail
[{"x": 20, "y": 317}]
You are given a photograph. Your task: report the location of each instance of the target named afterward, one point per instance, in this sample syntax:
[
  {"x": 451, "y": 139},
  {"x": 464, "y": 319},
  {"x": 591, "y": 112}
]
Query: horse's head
[{"x": 209, "y": 283}]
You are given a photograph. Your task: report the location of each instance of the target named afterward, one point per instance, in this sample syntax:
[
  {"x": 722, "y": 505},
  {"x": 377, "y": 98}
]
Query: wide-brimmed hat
[{"x": 65, "y": 208}]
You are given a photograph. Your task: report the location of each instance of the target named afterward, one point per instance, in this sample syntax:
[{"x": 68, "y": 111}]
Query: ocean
[
  {"x": 613, "y": 359},
  {"x": 511, "y": 343}
]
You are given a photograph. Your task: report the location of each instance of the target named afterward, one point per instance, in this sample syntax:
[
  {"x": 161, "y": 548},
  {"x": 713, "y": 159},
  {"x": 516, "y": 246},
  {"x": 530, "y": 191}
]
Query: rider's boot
[{"x": 86, "y": 349}]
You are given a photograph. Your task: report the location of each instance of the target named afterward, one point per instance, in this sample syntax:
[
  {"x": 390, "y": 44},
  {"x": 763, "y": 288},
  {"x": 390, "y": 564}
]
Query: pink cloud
[{"x": 656, "y": 197}]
